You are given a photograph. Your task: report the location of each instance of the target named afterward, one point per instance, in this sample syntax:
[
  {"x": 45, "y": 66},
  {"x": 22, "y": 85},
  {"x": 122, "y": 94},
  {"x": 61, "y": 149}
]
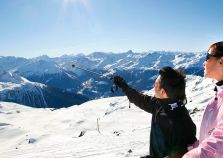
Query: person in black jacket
[{"x": 172, "y": 129}]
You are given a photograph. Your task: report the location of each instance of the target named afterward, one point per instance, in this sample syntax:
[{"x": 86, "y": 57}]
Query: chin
[
  {"x": 206, "y": 74},
  {"x": 209, "y": 76}
]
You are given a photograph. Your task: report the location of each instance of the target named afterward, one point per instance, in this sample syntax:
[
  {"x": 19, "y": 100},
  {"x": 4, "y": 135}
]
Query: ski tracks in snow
[{"x": 90, "y": 146}]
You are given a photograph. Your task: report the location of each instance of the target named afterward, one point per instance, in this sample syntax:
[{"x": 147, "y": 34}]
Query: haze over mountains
[{"x": 53, "y": 82}]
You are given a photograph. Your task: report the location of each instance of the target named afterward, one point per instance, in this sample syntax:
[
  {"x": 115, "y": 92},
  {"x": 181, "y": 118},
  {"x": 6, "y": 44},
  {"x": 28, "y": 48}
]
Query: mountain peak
[
  {"x": 42, "y": 57},
  {"x": 130, "y": 51}
]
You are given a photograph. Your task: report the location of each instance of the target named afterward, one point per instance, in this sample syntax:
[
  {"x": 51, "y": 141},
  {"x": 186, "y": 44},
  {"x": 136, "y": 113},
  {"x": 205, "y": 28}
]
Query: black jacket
[{"x": 172, "y": 129}]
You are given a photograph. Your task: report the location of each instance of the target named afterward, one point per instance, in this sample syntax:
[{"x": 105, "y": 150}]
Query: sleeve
[
  {"x": 144, "y": 102},
  {"x": 211, "y": 147}
]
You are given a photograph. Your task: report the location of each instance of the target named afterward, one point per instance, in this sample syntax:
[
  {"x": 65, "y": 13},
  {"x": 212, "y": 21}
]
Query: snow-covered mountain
[
  {"x": 46, "y": 71},
  {"x": 138, "y": 69},
  {"x": 96, "y": 129},
  {"x": 14, "y": 88},
  {"x": 130, "y": 60}
]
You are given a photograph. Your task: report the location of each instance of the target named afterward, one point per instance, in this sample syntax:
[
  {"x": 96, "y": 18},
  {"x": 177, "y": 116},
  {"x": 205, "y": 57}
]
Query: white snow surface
[
  {"x": 123, "y": 132},
  {"x": 13, "y": 81}
]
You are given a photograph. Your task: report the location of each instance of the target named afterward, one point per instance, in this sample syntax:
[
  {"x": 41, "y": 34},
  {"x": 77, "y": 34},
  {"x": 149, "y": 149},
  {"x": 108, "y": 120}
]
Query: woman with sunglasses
[{"x": 210, "y": 144}]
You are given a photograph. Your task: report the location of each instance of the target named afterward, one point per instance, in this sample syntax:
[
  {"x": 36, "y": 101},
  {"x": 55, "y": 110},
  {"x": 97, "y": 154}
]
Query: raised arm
[{"x": 144, "y": 102}]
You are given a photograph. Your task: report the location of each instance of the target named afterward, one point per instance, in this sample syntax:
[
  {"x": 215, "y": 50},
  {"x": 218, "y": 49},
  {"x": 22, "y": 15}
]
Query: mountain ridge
[{"x": 138, "y": 69}]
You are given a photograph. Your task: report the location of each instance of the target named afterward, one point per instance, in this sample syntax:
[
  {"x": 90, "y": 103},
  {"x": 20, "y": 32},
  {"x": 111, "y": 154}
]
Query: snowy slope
[
  {"x": 10, "y": 77},
  {"x": 123, "y": 132},
  {"x": 14, "y": 88},
  {"x": 39, "y": 67},
  {"x": 18, "y": 89}
]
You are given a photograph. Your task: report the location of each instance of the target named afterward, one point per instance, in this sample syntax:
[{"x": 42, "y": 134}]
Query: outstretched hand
[{"x": 120, "y": 82}]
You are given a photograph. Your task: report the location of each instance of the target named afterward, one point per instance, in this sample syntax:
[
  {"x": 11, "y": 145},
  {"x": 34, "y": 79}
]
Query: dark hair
[
  {"x": 217, "y": 48},
  {"x": 173, "y": 82}
]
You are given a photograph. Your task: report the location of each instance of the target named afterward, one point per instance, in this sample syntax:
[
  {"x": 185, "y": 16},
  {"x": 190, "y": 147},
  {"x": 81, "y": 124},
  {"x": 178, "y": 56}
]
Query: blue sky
[{"x": 29, "y": 28}]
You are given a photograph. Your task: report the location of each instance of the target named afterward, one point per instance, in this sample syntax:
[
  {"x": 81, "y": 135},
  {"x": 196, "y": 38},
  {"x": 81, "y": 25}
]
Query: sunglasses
[{"x": 208, "y": 56}]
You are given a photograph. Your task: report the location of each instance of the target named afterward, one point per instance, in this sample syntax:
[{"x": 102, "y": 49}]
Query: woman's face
[{"x": 213, "y": 68}]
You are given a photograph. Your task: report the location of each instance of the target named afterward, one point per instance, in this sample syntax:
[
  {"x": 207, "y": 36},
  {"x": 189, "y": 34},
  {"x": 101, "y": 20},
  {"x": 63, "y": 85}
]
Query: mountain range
[{"x": 53, "y": 82}]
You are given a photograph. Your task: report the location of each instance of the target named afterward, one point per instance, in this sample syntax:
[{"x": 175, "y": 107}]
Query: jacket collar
[
  {"x": 219, "y": 89},
  {"x": 219, "y": 85},
  {"x": 171, "y": 105}
]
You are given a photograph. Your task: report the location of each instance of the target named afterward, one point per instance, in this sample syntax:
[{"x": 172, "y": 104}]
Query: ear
[
  {"x": 163, "y": 93},
  {"x": 221, "y": 60}
]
